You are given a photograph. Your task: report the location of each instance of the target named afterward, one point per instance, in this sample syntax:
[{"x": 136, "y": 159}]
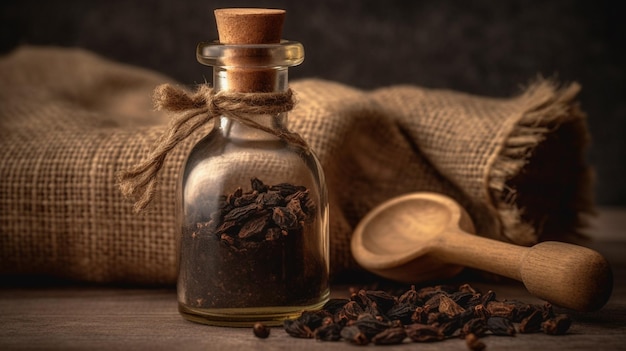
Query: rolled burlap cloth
[{"x": 69, "y": 121}]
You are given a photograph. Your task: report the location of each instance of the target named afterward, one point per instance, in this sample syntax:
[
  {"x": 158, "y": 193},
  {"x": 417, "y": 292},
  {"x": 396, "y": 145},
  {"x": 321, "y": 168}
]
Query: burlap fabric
[{"x": 69, "y": 121}]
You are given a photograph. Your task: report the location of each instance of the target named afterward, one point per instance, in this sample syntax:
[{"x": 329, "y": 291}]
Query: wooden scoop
[{"x": 423, "y": 236}]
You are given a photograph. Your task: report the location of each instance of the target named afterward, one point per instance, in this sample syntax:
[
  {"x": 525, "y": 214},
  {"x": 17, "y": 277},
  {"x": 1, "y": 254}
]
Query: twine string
[{"x": 195, "y": 110}]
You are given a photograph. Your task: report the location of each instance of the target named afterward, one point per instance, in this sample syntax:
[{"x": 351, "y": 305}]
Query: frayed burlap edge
[{"x": 549, "y": 108}]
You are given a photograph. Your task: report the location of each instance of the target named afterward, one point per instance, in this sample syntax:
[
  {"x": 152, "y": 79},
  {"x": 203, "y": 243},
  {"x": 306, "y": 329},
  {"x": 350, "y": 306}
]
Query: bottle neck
[{"x": 248, "y": 81}]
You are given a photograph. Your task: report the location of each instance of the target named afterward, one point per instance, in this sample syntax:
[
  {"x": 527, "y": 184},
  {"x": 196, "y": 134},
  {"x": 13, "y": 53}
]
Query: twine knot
[{"x": 197, "y": 108}]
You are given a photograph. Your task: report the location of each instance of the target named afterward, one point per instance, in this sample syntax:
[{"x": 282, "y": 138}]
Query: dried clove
[
  {"x": 351, "y": 311},
  {"x": 450, "y": 327},
  {"x": 501, "y": 309},
  {"x": 298, "y": 329},
  {"x": 382, "y": 299},
  {"x": 409, "y": 297},
  {"x": 476, "y": 326},
  {"x": 481, "y": 312},
  {"x": 500, "y": 326},
  {"x": 257, "y": 185},
  {"x": 285, "y": 218},
  {"x": 420, "y": 315},
  {"x": 473, "y": 343},
  {"x": 402, "y": 312},
  {"x": 488, "y": 297},
  {"x": 424, "y": 333},
  {"x": 334, "y": 305},
  {"x": 328, "y": 332},
  {"x": 532, "y": 323},
  {"x": 260, "y": 330},
  {"x": 390, "y": 336},
  {"x": 449, "y": 307},
  {"x": 354, "y": 335},
  {"x": 370, "y": 326},
  {"x": 557, "y": 325}
]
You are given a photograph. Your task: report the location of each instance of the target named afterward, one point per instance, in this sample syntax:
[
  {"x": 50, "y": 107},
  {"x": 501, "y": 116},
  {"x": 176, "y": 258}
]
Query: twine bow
[{"x": 198, "y": 108}]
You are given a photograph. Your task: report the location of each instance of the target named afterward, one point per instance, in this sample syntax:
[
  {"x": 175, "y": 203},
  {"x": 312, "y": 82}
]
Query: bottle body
[{"x": 254, "y": 225}]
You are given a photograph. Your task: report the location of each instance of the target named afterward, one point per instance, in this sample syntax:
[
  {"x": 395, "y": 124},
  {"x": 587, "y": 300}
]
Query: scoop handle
[{"x": 566, "y": 275}]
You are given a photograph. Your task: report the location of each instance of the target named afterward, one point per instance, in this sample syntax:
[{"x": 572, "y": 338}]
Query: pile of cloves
[
  {"x": 265, "y": 213},
  {"x": 429, "y": 314}
]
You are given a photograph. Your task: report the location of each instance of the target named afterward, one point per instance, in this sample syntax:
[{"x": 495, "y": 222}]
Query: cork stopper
[
  {"x": 238, "y": 26},
  {"x": 249, "y": 26}
]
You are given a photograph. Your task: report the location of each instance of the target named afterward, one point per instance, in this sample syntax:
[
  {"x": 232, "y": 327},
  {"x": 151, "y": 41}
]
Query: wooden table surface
[{"x": 77, "y": 317}]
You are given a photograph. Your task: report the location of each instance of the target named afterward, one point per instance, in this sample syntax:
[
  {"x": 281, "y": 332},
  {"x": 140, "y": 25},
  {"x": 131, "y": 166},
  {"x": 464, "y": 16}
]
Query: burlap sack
[{"x": 69, "y": 121}]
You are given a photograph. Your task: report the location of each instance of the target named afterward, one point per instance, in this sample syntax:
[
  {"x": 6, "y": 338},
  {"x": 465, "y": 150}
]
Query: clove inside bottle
[{"x": 253, "y": 205}]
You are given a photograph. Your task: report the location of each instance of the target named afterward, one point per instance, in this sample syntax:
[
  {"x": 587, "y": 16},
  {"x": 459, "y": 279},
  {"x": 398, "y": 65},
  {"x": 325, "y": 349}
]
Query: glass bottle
[{"x": 253, "y": 207}]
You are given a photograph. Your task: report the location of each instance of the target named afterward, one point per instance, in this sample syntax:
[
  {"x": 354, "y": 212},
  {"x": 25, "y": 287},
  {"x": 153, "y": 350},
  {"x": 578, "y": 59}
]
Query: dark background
[{"x": 481, "y": 47}]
